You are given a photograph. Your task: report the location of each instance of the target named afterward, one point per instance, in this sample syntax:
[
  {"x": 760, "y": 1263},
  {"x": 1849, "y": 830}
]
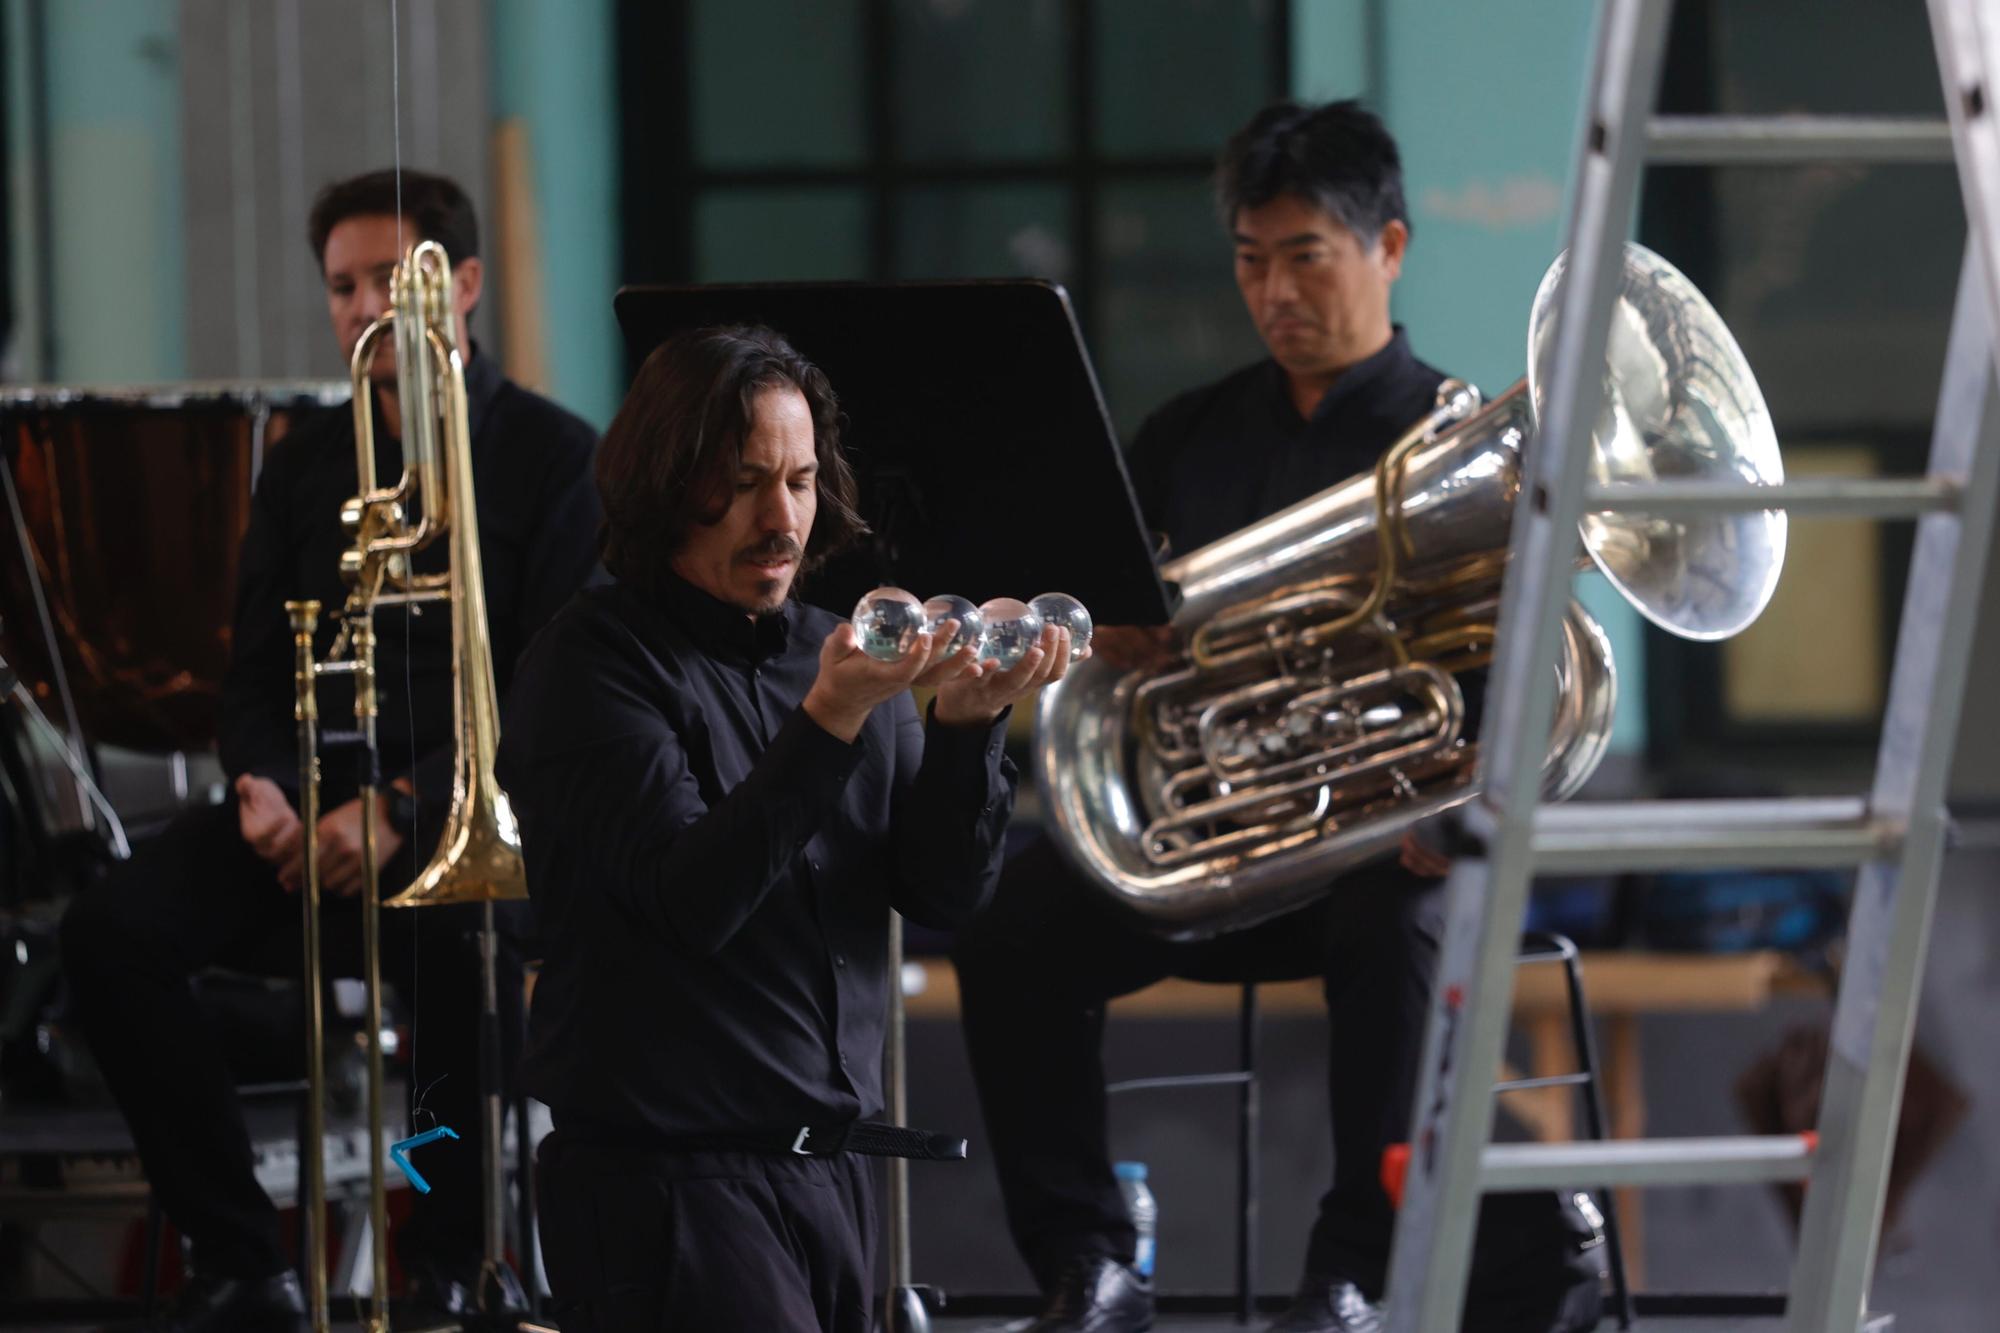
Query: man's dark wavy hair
[
  {"x": 669, "y": 460},
  {"x": 1336, "y": 156}
]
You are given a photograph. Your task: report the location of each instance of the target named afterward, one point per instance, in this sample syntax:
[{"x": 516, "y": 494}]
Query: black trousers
[
  {"x": 196, "y": 897},
  {"x": 643, "y": 1242},
  {"x": 1036, "y": 969}
]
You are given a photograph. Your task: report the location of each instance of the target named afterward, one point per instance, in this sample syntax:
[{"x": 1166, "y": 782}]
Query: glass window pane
[
  {"x": 777, "y": 83},
  {"x": 781, "y": 234},
  {"x": 981, "y": 79},
  {"x": 984, "y": 231},
  {"x": 1168, "y": 315},
  {"x": 1179, "y": 76}
]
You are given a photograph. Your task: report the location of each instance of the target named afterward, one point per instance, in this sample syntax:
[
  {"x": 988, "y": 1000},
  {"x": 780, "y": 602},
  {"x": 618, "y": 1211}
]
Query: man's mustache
[{"x": 773, "y": 548}]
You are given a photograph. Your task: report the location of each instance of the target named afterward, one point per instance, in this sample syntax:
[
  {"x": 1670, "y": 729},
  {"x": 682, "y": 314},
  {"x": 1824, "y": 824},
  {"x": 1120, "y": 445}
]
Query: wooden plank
[{"x": 1615, "y": 982}]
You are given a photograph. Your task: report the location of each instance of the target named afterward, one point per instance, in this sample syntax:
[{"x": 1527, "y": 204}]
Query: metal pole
[
  {"x": 361, "y": 627},
  {"x": 1249, "y": 1126},
  {"x": 493, "y": 1282},
  {"x": 304, "y": 617},
  {"x": 906, "y": 1310}
]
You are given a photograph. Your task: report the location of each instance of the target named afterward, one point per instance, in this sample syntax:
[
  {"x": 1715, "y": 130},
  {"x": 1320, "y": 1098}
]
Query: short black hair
[
  {"x": 1337, "y": 156},
  {"x": 438, "y": 207},
  {"x": 669, "y": 456}
]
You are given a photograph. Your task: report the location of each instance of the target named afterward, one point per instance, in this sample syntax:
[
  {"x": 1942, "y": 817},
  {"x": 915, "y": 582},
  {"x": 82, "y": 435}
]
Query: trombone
[{"x": 478, "y": 858}]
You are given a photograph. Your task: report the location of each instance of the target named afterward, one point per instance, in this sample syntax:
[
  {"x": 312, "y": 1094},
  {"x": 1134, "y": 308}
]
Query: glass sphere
[
  {"x": 1065, "y": 612},
  {"x": 945, "y": 606},
  {"x": 886, "y": 623},
  {"x": 1012, "y": 626}
]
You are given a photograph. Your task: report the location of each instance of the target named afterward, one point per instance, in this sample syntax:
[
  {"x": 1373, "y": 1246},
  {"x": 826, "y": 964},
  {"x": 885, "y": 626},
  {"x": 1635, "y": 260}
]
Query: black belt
[{"x": 870, "y": 1138}]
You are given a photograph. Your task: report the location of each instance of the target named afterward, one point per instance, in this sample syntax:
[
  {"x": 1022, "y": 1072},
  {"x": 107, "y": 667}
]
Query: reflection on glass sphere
[
  {"x": 1065, "y": 612},
  {"x": 886, "y": 623},
  {"x": 1012, "y": 626},
  {"x": 945, "y": 607}
]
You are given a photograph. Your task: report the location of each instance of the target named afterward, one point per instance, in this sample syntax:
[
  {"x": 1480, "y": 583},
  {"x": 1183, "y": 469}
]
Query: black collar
[
  {"x": 1394, "y": 361},
  {"x": 723, "y": 630},
  {"x": 482, "y": 385}
]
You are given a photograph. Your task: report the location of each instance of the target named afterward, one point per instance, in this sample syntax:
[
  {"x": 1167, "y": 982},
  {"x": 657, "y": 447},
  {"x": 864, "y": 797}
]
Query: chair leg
[
  {"x": 1594, "y": 1121},
  {"x": 149, "y": 1265},
  {"x": 524, "y": 1205},
  {"x": 1248, "y": 1133},
  {"x": 302, "y": 1129}
]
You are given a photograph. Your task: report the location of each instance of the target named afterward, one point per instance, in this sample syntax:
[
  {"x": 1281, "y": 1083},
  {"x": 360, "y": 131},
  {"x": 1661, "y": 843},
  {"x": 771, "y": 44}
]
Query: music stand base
[{"x": 910, "y": 1308}]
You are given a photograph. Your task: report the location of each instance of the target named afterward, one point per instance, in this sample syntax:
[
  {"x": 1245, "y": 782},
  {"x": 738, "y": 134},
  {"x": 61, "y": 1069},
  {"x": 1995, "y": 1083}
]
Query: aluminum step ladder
[{"x": 1894, "y": 834}]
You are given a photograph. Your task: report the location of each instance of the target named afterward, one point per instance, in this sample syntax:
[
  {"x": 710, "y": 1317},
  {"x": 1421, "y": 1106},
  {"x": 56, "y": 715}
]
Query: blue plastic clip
[{"x": 396, "y": 1151}]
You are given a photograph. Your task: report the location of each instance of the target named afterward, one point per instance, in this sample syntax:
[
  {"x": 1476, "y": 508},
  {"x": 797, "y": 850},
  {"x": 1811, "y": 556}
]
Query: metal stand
[
  {"x": 1894, "y": 833},
  {"x": 66, "y": 751},
  {"x": 908, "y": 1307},
  {"x": 503, "y": 1306}
]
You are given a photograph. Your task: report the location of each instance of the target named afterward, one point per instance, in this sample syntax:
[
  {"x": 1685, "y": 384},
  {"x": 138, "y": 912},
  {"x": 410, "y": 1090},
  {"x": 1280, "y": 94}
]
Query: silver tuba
[{"x": 1318, "y": 709}]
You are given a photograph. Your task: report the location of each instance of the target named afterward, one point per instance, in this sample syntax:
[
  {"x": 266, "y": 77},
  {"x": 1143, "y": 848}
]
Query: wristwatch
[{"x": 402, "y": 811}]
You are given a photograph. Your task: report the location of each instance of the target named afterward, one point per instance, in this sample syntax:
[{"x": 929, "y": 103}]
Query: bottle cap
[{"x": 1129, "y": 1170}]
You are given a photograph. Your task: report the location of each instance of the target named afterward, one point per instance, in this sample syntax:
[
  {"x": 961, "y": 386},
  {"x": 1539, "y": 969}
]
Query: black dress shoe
[
  {"x": 1098, "y": 1295},
  {"x": 453, "y": 1289},
  {"x": 235, "y": 1305},
  {"x": 1575, "y": 1308},
  {"x": 1329, "y": 1305}
]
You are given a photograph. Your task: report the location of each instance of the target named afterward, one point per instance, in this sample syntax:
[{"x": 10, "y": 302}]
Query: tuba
[
  {"x": 478, "y": 858},
  {"x": 1319, "y": 708}
]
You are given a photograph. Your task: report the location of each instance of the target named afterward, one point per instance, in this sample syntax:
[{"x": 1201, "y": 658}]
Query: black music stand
[
  {"x": 986, "y": 461},
  {"x": 987, "y": 467}
]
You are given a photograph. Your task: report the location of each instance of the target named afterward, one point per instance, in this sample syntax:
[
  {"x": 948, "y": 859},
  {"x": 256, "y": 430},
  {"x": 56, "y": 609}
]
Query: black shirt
[
  {"x": 538, "y": 517},
  {"x": 712, "y": 872},
  {"x": 1219, "y": 458}
]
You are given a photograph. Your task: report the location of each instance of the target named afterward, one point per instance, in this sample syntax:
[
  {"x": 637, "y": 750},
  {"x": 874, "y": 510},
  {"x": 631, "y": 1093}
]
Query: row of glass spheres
[{"x": 887, "y": 622}]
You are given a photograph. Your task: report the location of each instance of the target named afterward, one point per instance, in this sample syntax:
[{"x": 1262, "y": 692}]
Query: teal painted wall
[
  {"x": 1483, "y": 99},
  {"x": 119, "y": 272},
  {"x": 556, "y": 71}
]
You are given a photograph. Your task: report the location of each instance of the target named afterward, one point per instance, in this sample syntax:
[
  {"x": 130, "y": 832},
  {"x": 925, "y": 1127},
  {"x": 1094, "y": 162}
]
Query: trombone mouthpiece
[{"x": 304, "y": 615}]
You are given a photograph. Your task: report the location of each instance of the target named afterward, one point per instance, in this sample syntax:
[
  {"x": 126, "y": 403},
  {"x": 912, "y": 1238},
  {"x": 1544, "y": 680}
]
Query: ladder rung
[
  {"x": 1544, "y": 1081},
  {"x": 1779, "y": 140},
  {"x": 1860, "y": 497},
  {"x": 1588, "y": 836},
  {"x": 1742, "y": 1160}
]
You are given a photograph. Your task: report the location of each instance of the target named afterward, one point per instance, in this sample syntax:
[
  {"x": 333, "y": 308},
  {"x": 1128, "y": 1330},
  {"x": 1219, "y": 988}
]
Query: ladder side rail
[
  {"x": 1453, "y": 1111},
  {"x": 1889, "y": 925}
]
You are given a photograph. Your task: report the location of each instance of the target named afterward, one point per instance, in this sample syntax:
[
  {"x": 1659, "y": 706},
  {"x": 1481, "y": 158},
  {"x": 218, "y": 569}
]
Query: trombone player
[
  {"x": 1312, "y": 199},
  {"x": 216, "y": 887}
]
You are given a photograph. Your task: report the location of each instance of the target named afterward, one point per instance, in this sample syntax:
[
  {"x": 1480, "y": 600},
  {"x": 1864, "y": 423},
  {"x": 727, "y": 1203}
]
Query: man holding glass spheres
[{"x": 721, "y": 798}]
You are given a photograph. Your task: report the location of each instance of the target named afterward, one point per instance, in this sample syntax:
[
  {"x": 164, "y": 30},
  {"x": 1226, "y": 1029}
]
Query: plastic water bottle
[{"x": 1145, "y": 1212}]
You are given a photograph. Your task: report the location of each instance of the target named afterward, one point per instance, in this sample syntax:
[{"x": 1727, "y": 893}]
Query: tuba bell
[{"x": 1319, "y": 708}]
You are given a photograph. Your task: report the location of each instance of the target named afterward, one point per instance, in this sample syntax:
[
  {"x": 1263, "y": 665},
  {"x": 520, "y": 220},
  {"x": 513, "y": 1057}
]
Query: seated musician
[
  {"x": 721, "y": 798},
  {"x": 217, "y": 887},
  {"x": 1312, "y": 198}
]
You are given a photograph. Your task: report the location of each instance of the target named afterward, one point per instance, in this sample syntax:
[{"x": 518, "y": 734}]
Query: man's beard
[{"x": 772, "y": 592}]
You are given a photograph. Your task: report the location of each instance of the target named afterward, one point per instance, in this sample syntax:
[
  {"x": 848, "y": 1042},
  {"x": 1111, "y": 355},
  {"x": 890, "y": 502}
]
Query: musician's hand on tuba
[
  {"x": 1136, "y": 647},
  {"x": 978, "y": 700},
  {"x": 1419, "y": 858}
]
